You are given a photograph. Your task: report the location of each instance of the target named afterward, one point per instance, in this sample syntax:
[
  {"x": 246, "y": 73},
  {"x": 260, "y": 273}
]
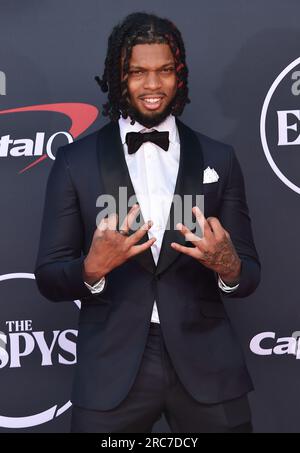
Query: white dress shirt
[{"x": 153, "y": 172}]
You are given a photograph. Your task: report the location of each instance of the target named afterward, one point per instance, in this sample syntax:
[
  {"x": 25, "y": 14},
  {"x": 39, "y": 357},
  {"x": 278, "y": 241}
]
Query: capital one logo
[
  {"x": 2, "y": 84},
  {"x": 24, "y": 344},
  {"x": 280, "y": 126},
  {"x": 82, "y": 116},
  {"x": 268, "y": 344}
]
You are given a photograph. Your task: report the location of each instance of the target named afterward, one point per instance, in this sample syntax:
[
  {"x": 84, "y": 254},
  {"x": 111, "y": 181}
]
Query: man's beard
[{"x": 151, "y": 121}]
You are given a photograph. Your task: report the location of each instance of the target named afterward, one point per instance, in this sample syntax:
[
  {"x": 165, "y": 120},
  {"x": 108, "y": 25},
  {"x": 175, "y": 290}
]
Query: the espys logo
[
  {"x": 281, "y": 113},
  {"x": 22, "y": 344},
  {"x": 82, "y": 116}
]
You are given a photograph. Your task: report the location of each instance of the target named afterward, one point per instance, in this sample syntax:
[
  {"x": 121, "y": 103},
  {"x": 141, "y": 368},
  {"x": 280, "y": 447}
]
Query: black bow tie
[{"x": 135, "y": 139}]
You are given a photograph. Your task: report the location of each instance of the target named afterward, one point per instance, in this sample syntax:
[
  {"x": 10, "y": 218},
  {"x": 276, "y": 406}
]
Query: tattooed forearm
[
  {"x": 223, "y": 257},
  {"x": 215, "y": 250}
]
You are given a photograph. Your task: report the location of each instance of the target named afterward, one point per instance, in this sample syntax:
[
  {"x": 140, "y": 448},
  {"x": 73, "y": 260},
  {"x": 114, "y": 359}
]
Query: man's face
[{"x": 152, "y": 82}]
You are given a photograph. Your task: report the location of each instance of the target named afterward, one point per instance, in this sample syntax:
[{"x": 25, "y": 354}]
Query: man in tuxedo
[{"x": 154, "y": 336}]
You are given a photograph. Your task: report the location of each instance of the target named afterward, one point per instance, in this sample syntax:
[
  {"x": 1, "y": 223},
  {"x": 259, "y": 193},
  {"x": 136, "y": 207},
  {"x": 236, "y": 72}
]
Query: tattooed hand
[{"x": 214, "y": 250}]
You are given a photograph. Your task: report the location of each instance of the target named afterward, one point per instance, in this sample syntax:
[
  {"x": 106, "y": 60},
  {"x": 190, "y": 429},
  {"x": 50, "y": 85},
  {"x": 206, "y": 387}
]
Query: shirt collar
[{"x": 169, "y": 124}]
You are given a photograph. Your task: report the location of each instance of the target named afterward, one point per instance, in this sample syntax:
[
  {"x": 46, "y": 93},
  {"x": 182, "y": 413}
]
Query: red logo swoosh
[{"x": 82, "y": 116}]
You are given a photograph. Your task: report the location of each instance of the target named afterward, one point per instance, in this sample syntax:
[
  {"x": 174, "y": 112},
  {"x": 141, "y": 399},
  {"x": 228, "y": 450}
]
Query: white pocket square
[{"x": 210, "y": 175}]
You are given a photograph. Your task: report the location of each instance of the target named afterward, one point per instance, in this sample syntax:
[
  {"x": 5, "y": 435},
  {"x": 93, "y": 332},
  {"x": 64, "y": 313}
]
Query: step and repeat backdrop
[{"x": 244, "y": 63}]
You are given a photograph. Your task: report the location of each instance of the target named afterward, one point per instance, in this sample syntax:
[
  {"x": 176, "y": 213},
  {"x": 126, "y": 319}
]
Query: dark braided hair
[{"x": 140, "y": 28}]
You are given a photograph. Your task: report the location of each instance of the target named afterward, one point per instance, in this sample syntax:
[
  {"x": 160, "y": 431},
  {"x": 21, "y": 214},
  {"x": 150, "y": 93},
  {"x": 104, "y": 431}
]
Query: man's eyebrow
[{"x": 141, "y": 67}]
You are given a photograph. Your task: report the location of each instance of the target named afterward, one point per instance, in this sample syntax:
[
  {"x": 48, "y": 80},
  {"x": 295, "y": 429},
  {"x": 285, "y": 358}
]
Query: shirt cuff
[
  {"x": 97, "y": 287},
  {"x": 225, "y": 288}
]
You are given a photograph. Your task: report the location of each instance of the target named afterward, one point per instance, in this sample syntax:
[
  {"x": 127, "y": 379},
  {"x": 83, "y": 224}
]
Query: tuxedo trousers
[{"x": 157, "y": 390}]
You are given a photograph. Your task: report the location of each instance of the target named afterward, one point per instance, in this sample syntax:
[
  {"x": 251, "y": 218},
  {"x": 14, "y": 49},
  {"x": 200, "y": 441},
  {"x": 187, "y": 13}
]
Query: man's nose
[{"x": 152, "y": 80}]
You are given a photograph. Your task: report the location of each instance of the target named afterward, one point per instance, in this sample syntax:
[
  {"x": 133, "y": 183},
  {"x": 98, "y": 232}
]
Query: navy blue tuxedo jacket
[{"x": 113, "y": 325}]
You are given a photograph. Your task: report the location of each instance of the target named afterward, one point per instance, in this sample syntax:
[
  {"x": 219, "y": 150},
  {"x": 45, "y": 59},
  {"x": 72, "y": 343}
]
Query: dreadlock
[{"x": 140, "y": 28}]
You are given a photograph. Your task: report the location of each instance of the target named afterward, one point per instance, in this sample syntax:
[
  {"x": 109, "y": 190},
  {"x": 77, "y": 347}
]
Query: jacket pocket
[
  {"x": 212, "y": 309},
  {"x": 211, "y": 188}
]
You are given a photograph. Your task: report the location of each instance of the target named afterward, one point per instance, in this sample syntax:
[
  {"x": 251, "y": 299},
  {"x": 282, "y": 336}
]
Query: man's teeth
[{"x": 152, "y": 100}]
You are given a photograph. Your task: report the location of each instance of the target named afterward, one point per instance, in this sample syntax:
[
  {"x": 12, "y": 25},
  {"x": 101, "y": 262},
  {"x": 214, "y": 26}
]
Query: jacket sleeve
[
  {"x": 59, "y": 264},
  {"x": 234, "y": 217}
]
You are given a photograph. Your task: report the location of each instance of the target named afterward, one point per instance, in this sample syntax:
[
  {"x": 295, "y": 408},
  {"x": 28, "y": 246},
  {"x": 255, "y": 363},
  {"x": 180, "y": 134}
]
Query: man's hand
[
  {"x": 110, "y": 248},
  {"x": 214, "y": 250}
]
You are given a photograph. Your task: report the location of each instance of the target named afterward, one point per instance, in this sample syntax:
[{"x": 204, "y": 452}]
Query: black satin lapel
[
  {"x": 115, "y": 174},
  {"x": 189, "y": 182}
]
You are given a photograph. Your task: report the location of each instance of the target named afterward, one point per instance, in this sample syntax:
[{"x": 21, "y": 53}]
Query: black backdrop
[{"x": 49, "y": 54}]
